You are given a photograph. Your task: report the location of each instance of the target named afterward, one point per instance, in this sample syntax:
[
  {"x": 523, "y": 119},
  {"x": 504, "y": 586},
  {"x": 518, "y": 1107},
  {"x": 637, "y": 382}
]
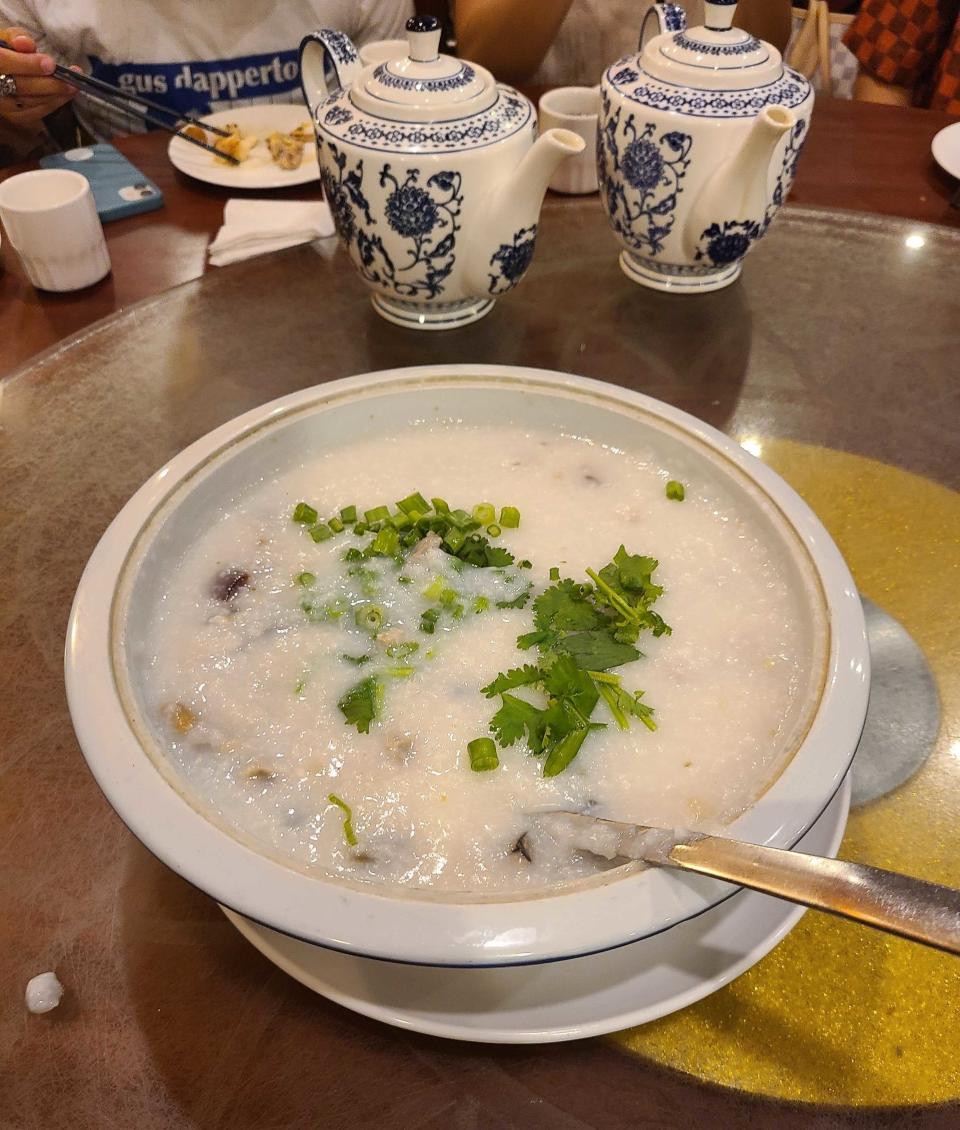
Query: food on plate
[
  {"x": 388, "y": 684},
  {"x": 286, "y": 149},
  {"x": 236, "y": 144},
  {"x": 195, "y": 132}
]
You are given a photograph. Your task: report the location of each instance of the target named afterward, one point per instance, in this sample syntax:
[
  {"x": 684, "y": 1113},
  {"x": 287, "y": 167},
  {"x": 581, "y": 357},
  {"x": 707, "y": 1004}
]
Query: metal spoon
[{"x": 911, "y": 908}]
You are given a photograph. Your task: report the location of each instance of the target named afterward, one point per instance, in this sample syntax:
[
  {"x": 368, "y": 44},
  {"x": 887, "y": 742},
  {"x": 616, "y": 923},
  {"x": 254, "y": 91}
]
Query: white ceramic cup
[
  {"x": 52, "y": 223},
  {"x": 382, "y": 51},
  {"x": 575, "y": 108}
]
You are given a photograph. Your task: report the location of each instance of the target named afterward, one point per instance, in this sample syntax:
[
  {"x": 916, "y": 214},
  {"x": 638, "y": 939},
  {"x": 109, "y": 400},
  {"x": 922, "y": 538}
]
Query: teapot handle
[
  {"x": 328, "y": 63},
  {"x": 660, "y": 19}
]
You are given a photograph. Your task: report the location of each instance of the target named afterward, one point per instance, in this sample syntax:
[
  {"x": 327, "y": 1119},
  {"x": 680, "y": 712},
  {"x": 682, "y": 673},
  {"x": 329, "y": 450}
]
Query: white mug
[
  {"x": 382, "y": 51},
  {"x": 52, "y": 223},
  {"x": 575, "y": 108}
]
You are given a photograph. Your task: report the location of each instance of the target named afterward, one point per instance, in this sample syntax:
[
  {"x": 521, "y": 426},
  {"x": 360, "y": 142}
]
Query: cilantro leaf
[
  {"x": 513, "y": 718},
  {"x": 567, "y": 683},
  {"x": 634, "y": 570},
  {"x": 516, "y": 677},
  {"x": 497, "y": 556},
  {"x": 564, "y": 607},
  {"x": 361, "y": 703},
  {"x": 535, "y": 639},
  {"x": 597, "y": 650},
  {"x": 517, "y": 602}
]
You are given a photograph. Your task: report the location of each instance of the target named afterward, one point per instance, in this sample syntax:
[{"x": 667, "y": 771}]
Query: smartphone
[{"x": 119, "y": 188}]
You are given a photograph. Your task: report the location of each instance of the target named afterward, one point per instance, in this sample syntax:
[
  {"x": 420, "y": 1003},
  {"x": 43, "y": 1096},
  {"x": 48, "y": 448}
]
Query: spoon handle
[{"x": 912, "y": 908}]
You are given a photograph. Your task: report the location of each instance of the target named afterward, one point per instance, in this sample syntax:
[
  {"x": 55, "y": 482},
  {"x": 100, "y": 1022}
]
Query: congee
[{"x": 384, "y": 663}]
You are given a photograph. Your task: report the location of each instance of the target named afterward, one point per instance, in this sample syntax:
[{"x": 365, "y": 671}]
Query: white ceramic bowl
[{"x": 113, "y": 602}]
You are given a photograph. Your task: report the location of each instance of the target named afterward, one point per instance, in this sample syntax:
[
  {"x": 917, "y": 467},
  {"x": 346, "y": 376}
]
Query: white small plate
[
  {"x": 946, "y": 149},
  {"x": 560, "y": 1000},
  {"x": 258, "y": 171}
]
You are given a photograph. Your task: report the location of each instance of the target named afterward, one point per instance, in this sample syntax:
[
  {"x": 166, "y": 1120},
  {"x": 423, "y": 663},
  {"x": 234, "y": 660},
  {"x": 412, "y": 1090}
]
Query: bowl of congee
[{"x": 335, "y": 661}]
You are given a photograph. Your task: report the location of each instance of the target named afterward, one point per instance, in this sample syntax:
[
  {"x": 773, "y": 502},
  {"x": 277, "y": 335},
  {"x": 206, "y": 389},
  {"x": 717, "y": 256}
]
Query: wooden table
[
  {"x": 820, "y": 360},
  {"x": 861, "y": 156}
]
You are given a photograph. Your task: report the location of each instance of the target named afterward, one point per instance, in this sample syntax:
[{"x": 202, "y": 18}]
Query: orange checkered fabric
[{"x": 912, "y": 43}]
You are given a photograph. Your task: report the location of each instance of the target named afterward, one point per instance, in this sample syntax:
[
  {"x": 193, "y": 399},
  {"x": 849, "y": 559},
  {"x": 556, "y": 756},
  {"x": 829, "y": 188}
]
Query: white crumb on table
[{"x": 43, "y": 992}]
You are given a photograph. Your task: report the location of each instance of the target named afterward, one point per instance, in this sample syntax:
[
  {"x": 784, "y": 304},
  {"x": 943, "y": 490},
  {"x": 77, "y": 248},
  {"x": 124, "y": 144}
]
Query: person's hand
[{"x": 37, "y": 94}]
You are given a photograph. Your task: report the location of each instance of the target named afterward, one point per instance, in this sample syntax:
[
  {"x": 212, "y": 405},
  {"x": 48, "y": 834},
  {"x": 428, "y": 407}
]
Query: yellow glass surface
[{"x": 839, "y": 1013}]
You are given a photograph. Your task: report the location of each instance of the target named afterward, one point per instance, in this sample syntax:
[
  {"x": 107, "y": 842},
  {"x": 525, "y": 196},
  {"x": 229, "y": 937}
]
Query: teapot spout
[
  {"x": 329, "y": 62},
  {"x": 515, "y": 203},
  {"x": 737, "y": 192}
]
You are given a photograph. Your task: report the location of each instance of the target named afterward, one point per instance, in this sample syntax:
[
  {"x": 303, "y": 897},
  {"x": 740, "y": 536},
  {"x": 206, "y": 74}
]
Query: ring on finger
[{"x": 8, "y": 86}]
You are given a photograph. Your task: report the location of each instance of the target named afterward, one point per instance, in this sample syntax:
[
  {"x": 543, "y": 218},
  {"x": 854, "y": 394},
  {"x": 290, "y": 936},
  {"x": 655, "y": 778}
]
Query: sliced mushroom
[
  {"x": 229, "y": 582},
  {"x": 258, "y": 773}
]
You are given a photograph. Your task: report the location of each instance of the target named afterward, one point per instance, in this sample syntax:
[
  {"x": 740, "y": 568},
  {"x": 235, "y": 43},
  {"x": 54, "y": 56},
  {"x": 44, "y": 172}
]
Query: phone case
[{"x": 119, "y": 188}]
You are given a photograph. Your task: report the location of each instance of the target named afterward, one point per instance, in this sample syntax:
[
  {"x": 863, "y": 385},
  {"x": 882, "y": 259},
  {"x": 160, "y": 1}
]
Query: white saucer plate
[
  {"x": 560, "y": 1000},
  {"x": 258, "y": 171},
  {"x": 946, "y": 149}
]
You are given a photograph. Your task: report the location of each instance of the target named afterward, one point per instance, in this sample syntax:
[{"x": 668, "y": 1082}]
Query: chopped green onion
[
  {"x": 525, "y": 564},
  {"x": 402, "y": 650},
  {"x": 386, "y": 543},
  {"x": 454, "y": 539},
  {"x": 408, "y": 541},
  {"x": 348, "y": 833},
  {"x": 510, "y": 517},
  {"x": 299, "y": 685},
  {"x": 463, "y": 521},
  {"x": 348, "y": 515},
  {"x": 305, "y": 578},
  {"x": 440, "y": 506},
  {"x": 369, "y": 617},
  {"x": 304, "y": 513},
  {"x": 360, "y": 529},
  {"x": 448, "y": 597},
  {"x": 336, "y": 525},
  {"x": 414, "y": 502},
  {"x": 401, "y": 521},
  {"x": 377, "y": 514},
  {"x": 494, "y": 530},
  {"x": 320, "y": 532},
  {"x": 554, "y": 574},
  {"x": 400, "y": 672},
  {"x": 484, "y": 513},
  {"x": 564, "y": 752},
  {"x": 428, "y": 620},
  {"x": 483, "y": 754},
  {"x": 481, "y": 604},
  {"x": 353, "y": 554},
  {"x": 675, "y": 491},
  {"x": 434, "y": 589}
]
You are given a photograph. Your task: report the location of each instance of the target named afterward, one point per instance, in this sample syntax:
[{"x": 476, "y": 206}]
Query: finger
[
  {"x": 14, "y": 63},
  {"x": 19, "y": 38},
  {"x": 42, "y": 88}
]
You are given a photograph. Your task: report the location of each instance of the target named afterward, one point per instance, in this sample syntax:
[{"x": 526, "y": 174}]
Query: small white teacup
[
  {"x": 52, "y": 223},
  {"x": 382, "y": 51},
  {"x": 575, "y": 108}
]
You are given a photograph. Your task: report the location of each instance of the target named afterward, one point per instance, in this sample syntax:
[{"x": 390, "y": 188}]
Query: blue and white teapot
[
  {"x": 434, "y": 173},
  {"x": 699, "y": 138}
]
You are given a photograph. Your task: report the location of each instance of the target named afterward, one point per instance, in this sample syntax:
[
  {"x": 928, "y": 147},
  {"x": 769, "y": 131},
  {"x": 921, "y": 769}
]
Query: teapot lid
[
  {"x": 716, "y": 56},
  {"x": 425, "y": 85}
]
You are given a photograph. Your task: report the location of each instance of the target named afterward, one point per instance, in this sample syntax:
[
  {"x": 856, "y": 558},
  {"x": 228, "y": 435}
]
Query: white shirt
[
  {"x": 594, "y": 34},
  {"x": 193, "y": 55}
]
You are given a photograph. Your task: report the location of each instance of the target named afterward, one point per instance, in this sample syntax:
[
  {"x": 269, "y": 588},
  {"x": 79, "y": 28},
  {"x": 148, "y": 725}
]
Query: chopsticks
[{"x": 138, "y": 106}]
